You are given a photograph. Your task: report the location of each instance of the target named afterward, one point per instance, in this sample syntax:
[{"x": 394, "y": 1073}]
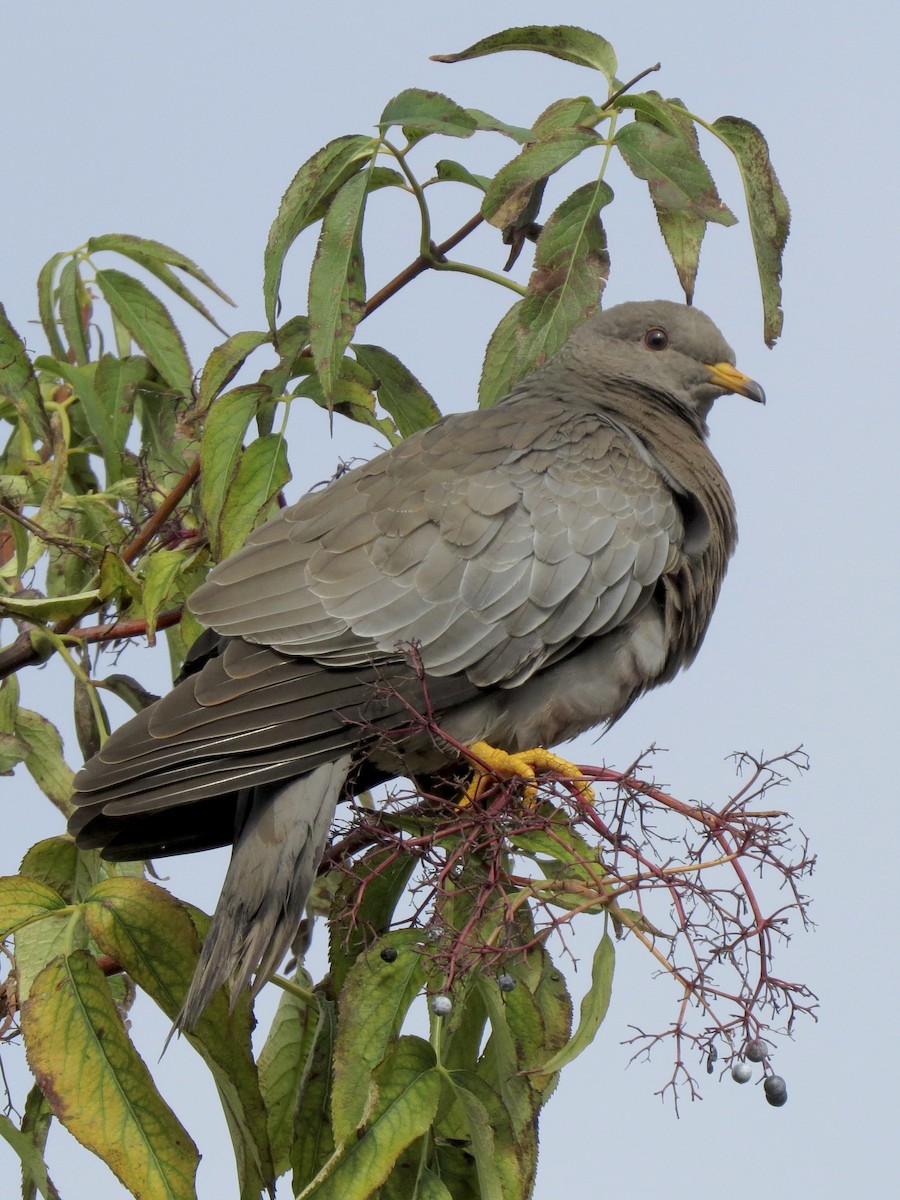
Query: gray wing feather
[{"x": 490, "y": 549}]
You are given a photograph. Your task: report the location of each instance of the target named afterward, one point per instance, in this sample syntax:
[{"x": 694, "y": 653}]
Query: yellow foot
[{"x": 490, "y": 762}]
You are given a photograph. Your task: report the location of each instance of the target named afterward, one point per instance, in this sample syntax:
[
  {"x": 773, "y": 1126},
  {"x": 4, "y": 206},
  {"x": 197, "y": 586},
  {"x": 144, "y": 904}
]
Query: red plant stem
[{"x": 115, "y": 631}]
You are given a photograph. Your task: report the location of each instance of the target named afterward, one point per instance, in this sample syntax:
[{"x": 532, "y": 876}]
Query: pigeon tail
[{"x": 269, "y": 878}]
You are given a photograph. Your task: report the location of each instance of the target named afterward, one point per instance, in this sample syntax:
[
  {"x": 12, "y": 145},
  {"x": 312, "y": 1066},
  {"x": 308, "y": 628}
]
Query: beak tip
[{"x": 730, "y": 379}]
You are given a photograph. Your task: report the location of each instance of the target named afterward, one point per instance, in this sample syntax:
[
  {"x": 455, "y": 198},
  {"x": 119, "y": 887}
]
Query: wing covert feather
[{"x": 534, "y": 526}]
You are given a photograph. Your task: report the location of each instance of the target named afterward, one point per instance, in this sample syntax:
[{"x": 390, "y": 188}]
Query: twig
[
  {"x": 421, "y": 264},
  {"x": 116, "y": 631},
  {"x": 162, "y": 514},
  {"x": 626, "y": 87}
]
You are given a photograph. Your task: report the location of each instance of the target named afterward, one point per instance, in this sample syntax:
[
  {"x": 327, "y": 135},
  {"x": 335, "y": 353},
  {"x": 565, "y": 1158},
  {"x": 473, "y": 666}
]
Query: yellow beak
[{"x": 724, "y": 375}]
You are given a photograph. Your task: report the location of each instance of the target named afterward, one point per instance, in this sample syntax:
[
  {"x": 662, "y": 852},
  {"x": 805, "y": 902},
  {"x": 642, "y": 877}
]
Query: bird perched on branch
[{"x": 550, "y": 559}]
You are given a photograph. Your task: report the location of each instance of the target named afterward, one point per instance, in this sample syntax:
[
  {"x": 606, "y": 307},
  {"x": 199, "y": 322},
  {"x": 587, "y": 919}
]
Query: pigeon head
[{"x": 660, "y": 347}]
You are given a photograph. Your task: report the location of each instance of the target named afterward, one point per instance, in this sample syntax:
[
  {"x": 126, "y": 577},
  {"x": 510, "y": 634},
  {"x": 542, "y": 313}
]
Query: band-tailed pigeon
[{"x": 550, "y": 559}]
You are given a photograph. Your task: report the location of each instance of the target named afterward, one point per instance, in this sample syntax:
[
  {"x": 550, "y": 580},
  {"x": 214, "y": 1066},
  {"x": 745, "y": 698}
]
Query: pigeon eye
[{"x": 656, "y": 338}]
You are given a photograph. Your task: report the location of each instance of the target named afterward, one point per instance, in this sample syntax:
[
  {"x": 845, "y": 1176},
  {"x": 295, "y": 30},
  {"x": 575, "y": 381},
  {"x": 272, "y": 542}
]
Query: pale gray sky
[{"x": 185, "y": 122}]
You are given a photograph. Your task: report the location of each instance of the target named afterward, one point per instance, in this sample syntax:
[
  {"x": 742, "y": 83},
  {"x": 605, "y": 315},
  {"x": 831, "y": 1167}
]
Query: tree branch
[
  {"x": 24, "y": 651},
  {"x": 420, "y": 265}
]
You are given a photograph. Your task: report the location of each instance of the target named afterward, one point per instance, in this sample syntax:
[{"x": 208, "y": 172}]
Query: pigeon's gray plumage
[{"x": 551, "y": 558}]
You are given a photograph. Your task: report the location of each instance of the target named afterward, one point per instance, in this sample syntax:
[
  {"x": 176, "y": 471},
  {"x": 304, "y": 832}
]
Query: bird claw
[{"x": 490, "y": 762}]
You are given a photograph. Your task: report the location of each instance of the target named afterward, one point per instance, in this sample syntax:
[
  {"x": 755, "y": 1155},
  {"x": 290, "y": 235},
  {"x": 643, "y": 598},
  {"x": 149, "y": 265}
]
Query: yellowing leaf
[
  {"x": 22, "y": 899},
  {"x": 154, "y": 937},
  {"x": 373, "y": 1004},
  {"x": 98, "y": 1085}
]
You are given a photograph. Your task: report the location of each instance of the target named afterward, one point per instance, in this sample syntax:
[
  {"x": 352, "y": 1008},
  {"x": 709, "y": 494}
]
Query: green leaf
[
  {"x": 678, "y": 178},
  {"x": 429, "y": 1187},
  {"x": 16, "y": 566},
  {"x": 118, "y": 582},
  {"x": 12, "y": 752},
  {"x": 157, "y": 258},
  {"x": 161, "y": 576},
  {"x": 131, "y": 247},
  {"x": 373, "y": 1004},
  {"x": 9, "y": 703},
  {"x": 36, "y": 1121},
  {"x": 652, "y": 107},
  {"x": 98, "y": 1085},
  {"x": 382, "y": 177},
  {"x": 155, "y": 939},
  {"x": 306, "y": 201},
  {"x": 353, "y": 398},
  {"x": 462, "y": 1032},
  {"x": 72, "y": 300},
  {"x": 571, "y": 266},
  {"x": 18, "y": 382},
  {"x": 58, "y": 863},
  {"x": 44, "y": 760},
  {"x": 489, "y": 124},
  {"x": 80, "y": 378},
  {"x": 454, "y": 1163},
  {"x": 116, "y": 382},
  {"x": 483, "y": 1128},
  {"x": 222, "y": 447},
  {"x": 372, "y": 885},
  {"x": 224, "y": 363},
  {"x": 313, "y": 1141},
  {"x": 561, "y": 116},
  {"x": 767, "y": 209},
  {"x": 399, "y": 392},
  {"x": 283, "y": 1063},
  {"x": 683, "y": 230},
  {"x": 683, "y": 234},
  {"x": 555, "y": 1006},
  {"x": 337, "y": 288},
  {"x": 149, "y": 323},
  {"x": 500, "y": 369},
  {"x": 292, "y": 343},
  {"x": 516, "y": 1039},
  {"x": 262, "y": 473},
  {"x": 130, "y": 691},
  {"x": 34, "y": 1169},
  {"x": 453, "y": 172},
  {"x": 511, "y": 188},
  {"x": 40, "y": 943},
  {"x": 528, "y": 1024},
  {"x": 46, "y": 291},
  {"x": 408, "y": 1091},
  {"x": 42, "y": 608},
  {"x": 563, "y": 843},
  {"x": 419, "y": 113},
  {"x": 594, "y": 1007},
  {"x": 567, "y": 42}
]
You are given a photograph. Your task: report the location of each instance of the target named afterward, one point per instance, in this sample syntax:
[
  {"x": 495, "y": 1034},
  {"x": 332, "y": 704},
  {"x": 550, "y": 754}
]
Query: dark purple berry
[
  {"x": 776, "y": 1090},
  {"x": 506, "y": 983},
  {"x": 757, "y": 1051},
  {"x": 389, "y": 954}
]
